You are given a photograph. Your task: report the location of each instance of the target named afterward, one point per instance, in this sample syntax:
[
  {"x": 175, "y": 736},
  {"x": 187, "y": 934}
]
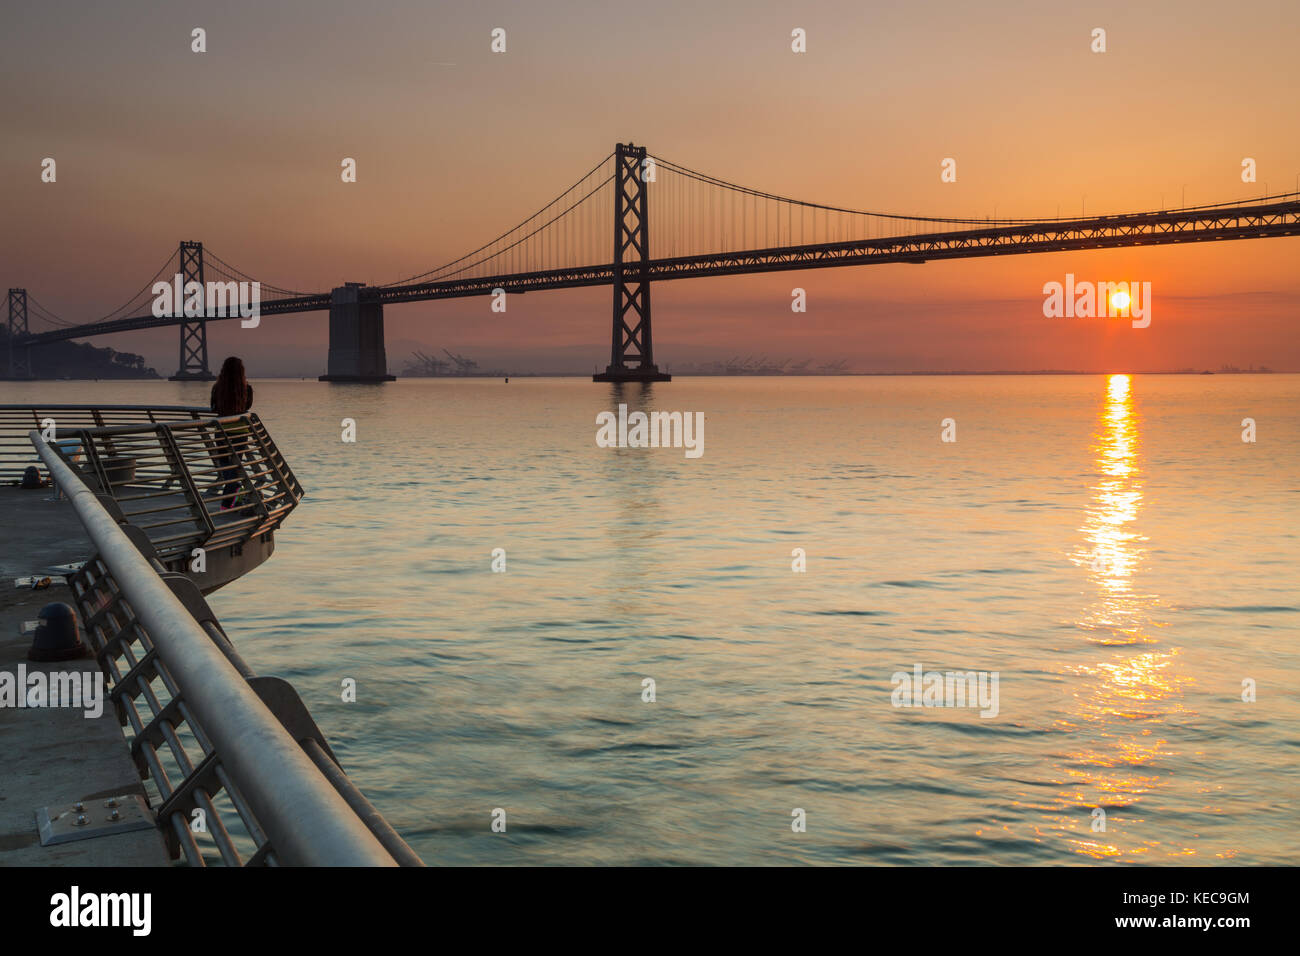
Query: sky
[{"x": 240, "y": 147}]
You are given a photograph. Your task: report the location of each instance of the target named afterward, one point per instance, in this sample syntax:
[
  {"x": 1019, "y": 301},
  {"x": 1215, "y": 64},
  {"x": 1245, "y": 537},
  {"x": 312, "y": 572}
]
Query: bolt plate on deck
[{"x": 85, "y": 819}]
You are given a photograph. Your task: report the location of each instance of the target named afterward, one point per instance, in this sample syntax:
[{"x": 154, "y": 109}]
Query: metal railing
[
  {"x": 192, "y": 481},
  {"x": 237, "y": 770},
  {"x": 16, "y": 452}
]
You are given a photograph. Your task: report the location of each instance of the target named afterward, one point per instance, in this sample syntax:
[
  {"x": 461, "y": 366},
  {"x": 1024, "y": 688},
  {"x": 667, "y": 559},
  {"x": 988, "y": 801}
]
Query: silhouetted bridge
[{"x": 704, "y": 226}]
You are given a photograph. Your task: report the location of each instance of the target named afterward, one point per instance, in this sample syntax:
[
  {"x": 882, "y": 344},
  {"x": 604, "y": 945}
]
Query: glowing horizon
[{"x": 241, "y": 150}]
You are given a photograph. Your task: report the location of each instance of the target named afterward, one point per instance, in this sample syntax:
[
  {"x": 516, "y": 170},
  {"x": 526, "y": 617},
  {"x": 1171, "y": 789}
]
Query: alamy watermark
[
  {"x": 946, "y": 689},
  {"x": 653, "y": 430},
  {"x": 128, "y": 910},
  {"x": 218, "y": 300},
  {"x": 83, "y": 689},
  {"x": 1086, "y": 300}
]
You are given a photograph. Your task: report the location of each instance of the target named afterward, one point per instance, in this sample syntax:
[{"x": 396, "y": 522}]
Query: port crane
[{"x": 464, "y": 366}]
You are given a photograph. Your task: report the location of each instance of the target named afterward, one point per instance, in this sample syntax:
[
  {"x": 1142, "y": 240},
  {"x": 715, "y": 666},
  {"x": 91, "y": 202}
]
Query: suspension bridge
[{"x": 703, "y": 226}]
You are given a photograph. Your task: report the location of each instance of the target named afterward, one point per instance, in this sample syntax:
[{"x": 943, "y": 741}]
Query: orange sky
[{"x": 240, "y": 148}]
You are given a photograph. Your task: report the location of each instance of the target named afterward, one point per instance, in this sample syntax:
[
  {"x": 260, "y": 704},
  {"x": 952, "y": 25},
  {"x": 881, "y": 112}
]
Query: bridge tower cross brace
[
  {"x": 631, "y": 341},
  {"x": 20, "y": 359},
  {"x": 194, "y": 332}
]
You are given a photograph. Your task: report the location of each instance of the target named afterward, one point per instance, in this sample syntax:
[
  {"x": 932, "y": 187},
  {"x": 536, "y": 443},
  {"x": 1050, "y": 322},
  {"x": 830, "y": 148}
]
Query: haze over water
[{"x": 1108, "y": 544}]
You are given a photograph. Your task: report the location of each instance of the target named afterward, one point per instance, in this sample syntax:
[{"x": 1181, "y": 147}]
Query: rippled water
[{"x": 1108, "y": 545}]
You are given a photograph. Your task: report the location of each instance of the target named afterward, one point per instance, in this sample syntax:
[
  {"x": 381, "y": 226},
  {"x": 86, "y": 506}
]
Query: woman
[{"x": 231, "y": 395}]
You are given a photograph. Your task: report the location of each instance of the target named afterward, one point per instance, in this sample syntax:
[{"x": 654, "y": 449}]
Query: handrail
[
  {"x": 194, "y": 481},
  {"x": 306, "y": 820},
  {"x": 16, "y": 452}
]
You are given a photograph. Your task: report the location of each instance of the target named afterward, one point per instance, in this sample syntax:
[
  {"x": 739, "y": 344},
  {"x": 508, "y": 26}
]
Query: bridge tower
[
  {"x": 20, "y": 358},
  {"x": 631, "y": 341},
  {"x": 194, "y": 332},
  {"x": 356, "y": 338}
]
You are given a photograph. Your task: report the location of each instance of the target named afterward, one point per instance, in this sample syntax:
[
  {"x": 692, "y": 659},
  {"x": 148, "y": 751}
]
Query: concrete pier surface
[
  {"x": 36, "y": 532},
  {"x": 55, "y": 756}
]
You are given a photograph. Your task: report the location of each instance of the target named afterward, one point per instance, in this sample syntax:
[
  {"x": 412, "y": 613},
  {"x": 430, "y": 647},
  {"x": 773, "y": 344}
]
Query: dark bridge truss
[
  {"x": 1256, "y": 221},
  {"x": 1106, "y": 232}
]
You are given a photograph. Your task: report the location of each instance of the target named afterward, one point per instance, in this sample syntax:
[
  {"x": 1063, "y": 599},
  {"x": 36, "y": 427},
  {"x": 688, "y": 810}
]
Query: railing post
[
  {"x": 270, "y": 452},
  {"x": 179, "y": 467}
]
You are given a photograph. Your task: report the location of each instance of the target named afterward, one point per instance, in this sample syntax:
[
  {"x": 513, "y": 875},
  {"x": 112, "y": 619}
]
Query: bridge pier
[
  {"x": 356, "y": 338},
  {"x": 631, "y": 342}
]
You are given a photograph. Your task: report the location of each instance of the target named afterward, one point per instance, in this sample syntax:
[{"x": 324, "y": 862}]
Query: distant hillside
[{"x": 78, "y": 360}]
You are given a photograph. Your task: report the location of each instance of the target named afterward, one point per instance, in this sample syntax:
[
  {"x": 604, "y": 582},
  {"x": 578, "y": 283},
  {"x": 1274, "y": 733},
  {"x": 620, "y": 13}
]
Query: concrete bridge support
[{"x": 356, "y": 338}]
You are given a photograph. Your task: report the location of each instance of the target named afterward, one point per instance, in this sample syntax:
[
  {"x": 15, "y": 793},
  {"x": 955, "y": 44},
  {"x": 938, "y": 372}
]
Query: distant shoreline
[
  {"x": 845, "y": 374},
  {"x": 848, "y": 374}
]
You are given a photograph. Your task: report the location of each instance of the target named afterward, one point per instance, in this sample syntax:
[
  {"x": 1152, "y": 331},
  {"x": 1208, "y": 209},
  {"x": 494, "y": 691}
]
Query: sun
[{"x": 1119, "y": 301}]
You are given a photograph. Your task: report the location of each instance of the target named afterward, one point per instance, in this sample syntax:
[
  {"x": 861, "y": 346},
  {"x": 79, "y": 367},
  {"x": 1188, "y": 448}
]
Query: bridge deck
[{"x": 1256, "y": 220}]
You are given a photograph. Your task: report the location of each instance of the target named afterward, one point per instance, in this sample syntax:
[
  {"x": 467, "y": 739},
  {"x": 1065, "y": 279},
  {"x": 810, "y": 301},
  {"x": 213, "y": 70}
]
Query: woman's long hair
[{"x": 230, "y": 394}]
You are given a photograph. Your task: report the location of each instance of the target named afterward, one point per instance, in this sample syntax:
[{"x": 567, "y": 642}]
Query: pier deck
[
  {"x": 55, "y": 756},
  {"x": 36, "y": 532}
]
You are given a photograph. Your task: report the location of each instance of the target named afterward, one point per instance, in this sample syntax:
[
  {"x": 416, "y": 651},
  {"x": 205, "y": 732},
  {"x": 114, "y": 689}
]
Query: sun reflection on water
[
  {"x": 1119, "y": 705},
  {"x": 1114, "y": 553}
]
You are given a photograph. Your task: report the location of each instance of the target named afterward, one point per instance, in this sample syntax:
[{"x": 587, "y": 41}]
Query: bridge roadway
[{"x": 1205, "y": 224}]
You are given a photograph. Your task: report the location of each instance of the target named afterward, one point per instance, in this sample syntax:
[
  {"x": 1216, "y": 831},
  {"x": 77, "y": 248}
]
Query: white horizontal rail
[{"x": 305, "y": 818}]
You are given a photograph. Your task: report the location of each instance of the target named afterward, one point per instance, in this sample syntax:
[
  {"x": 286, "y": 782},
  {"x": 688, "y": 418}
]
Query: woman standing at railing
[{"x": 231, "y": 395}]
